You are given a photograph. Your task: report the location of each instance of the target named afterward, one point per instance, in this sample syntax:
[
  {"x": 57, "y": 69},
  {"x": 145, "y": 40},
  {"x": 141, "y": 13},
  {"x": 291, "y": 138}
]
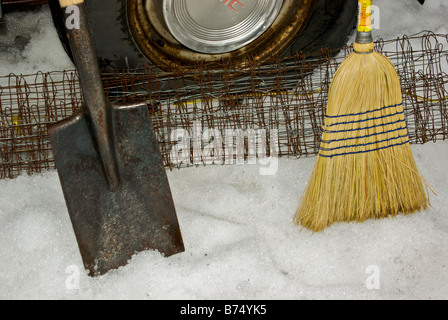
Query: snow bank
[
  {"x": 29, "y": 43},
  {"x": 240, "y": 242}
]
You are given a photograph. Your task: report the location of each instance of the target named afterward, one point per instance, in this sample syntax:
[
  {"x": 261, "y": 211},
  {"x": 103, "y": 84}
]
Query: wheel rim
[
  {"x": 151, "y": 33},
  {"x": 219, "y": 26}
]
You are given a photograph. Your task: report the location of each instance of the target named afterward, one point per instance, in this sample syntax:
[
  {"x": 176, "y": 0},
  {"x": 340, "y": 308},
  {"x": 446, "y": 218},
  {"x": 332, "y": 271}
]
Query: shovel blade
[{"x": 110, "y": 227}]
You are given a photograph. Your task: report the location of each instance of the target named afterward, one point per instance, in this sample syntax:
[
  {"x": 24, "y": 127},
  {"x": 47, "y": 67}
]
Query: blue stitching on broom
[
  {"x": 364, "y": 120},
  {"x": 363, "y": 137},
  {"x": 366, "y": 128},
  {"x": 365, "y": 144},
  {"x": 363, "y": 151},
  {"x": 363, "y": 113}
]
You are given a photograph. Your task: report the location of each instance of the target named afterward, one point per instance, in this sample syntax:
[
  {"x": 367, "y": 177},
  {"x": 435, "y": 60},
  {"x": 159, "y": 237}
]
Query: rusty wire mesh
[{"x": 286, "y": 96}]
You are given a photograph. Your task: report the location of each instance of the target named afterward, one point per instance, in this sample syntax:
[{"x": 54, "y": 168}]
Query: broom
[{"x": 365, "y": 168}]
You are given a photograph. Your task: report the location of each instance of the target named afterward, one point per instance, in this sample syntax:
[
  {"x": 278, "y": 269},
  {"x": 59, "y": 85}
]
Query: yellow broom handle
[
  {"x": 365, "y": 16},
  {"x": 66, "y": 3}
]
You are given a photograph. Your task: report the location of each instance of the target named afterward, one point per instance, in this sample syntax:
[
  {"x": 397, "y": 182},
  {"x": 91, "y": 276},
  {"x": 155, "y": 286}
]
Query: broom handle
[
  {"x": 86, "y": 61},
  {"x": 364, "y": 35}
]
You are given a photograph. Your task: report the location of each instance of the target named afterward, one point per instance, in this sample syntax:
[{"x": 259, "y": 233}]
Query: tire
[
  {"x": 328, "y": 24},
  {"x": 114, "y": 43}
]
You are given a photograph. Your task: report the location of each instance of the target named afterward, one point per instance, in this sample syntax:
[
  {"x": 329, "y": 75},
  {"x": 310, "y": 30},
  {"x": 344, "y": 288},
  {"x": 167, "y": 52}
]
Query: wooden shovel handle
[{"x": 66, "y": 3}]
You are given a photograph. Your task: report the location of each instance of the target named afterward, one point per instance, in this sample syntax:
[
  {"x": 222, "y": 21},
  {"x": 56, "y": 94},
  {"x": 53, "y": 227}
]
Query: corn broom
[{"x": 365, "y": 168}]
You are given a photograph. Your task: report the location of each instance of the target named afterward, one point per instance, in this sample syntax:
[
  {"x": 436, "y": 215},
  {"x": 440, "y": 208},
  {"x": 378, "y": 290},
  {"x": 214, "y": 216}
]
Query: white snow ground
[{"x": 240, "y": 241}]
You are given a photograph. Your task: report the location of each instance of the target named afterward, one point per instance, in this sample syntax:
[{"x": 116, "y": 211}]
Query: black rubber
[{"x": 329, "y": 26}]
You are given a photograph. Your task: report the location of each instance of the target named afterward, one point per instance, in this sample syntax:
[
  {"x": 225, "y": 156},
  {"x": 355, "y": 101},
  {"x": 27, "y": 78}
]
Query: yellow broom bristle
[{"x": 365, "y": 168}]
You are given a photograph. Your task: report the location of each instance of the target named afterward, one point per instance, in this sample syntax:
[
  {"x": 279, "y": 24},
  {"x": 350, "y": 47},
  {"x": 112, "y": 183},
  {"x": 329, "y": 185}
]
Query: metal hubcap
[
  {"x": 219, "y": 26},
  {"x": 155, "y": 40}
]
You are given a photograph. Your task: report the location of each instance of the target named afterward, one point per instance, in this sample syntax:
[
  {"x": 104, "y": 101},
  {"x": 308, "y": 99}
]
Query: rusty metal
[
  {"x": 111, "y": 172},
  {"x": 288, "y": 95},
  {"x": 155, "y": 42}
]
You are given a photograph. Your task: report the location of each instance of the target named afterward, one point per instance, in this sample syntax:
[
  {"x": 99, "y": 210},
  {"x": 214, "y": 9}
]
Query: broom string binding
[
  {"x": 366, "y": 136},
  {"x": 365, "y": 128},
  {"x": 364, "y": 151},
  {"x": 364, "y": 120},
  {"x": 366, "y": 144},
  {"x": 366, "y": 112},
  {"x": 362, "y": 52}
]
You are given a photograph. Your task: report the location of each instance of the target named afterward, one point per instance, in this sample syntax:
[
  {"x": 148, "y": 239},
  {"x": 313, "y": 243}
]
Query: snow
[
  {"x": 240, "y": 242},
  {"x": 29, "y": 43},
  {"x": 237, "y": 224}
]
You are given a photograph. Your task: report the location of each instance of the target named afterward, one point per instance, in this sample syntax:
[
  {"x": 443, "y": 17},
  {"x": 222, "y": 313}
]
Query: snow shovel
[{"x": 111, "y": 171}]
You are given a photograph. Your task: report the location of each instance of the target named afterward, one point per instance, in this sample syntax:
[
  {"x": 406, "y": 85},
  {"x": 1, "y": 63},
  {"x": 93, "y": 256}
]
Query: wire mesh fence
[{"x": 259, "y": 110}]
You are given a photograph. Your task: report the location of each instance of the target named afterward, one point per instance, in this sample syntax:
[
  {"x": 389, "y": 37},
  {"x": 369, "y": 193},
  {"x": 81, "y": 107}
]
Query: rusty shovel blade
[
  {"x": 111, "y": 170},
  {"x": 111, "y": 226}
]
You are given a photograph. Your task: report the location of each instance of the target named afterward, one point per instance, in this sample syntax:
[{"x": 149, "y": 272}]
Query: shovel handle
[
  {"x": 66, "y": 3},
  {"x": 86, "y": 61}
]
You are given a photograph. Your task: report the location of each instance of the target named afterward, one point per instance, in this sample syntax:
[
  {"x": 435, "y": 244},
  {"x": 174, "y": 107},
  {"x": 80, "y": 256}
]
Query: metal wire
[{"x": 283, "y": 100}]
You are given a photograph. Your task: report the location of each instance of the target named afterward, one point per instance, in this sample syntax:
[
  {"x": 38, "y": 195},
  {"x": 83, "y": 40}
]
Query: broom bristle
[{"x": 365, "y": 168}]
